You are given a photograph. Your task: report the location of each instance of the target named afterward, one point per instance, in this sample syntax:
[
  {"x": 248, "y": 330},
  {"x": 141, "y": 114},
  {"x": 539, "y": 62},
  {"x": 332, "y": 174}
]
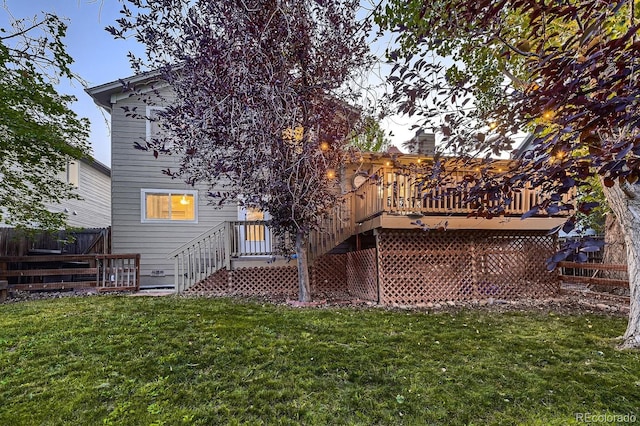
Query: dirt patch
[{"x": 562, "y": 304}]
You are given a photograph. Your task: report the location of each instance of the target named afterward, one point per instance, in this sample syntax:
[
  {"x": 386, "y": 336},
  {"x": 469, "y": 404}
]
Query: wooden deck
[{"x": 393, "y": 198}]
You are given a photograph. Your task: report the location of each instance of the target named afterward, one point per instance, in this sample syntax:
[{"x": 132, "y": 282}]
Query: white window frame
[
  {"x": 72, "y": 173},
  {"x": 148, "y": 122},
  {"x": 169, "y": 192}
]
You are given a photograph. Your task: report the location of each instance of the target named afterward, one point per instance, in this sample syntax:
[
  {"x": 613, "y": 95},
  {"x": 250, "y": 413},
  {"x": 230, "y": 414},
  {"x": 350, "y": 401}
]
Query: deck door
[{"x": 254, "y": 239}]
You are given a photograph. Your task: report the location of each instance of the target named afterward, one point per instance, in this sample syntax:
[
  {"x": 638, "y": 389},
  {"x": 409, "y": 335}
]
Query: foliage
[
  {"x": 260, "y": 99},
  {"x": 572, "y": 77},
  {"x": 370, "y": 137},
  {"x": 39, "y": 133},
  {"x": 132, "y": 361}
]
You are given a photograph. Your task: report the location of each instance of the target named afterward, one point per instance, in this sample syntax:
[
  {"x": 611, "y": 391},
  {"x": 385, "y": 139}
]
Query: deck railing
[
  {"x": 394, "y": 192},
  {"x": 337, "y": 226},
  {"x": 104, "y": 272}
]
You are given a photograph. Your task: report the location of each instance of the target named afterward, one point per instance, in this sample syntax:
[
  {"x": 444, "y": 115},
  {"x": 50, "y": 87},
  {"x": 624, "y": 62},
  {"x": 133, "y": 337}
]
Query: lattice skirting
[
  {"x": 264, "y": 281},
  {"x": 328, "y": 274},
  {"x": 418, "y": 267},
  {"x": 412, "y": 267},
  {"x": 217, "y": 283},
  {"x": 362, "y": 274}
]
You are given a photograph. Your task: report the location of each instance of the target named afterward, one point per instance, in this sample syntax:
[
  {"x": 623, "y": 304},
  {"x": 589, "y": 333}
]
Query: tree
[
  {"x": 369, "y": 137},
  {"x": 567, "y": 70},
  {"x": 39, "y": 133},
  {"x": 261, "y": 101}
]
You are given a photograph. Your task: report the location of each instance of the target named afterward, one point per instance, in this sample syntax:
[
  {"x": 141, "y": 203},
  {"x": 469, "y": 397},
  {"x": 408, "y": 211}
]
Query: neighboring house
[
  {"x": 92, "y": 181},
  {"x": 372, "y": 248}
]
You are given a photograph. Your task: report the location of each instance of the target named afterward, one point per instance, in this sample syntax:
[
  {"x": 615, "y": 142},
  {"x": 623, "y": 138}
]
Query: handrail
[
  {"x": 391, "y": 192},
  {"x": 201, "y": 257},
  {"x": 336, "y": 227}
]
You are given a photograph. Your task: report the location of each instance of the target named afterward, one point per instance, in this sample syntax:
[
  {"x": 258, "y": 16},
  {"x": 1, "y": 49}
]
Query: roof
[
  {"x": 526, "y": 145},
  {"x": 102, "y": 94},
  {"x": 92, "y": 162}
]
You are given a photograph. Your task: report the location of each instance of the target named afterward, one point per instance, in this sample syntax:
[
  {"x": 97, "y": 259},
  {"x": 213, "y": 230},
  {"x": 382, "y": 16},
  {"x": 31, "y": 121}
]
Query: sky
[{"x": 99, "y": 58}]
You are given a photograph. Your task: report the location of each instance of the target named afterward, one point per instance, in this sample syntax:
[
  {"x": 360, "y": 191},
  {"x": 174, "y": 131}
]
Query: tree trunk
[
  {"x": 615, "y": 250},
  {"x": 624, "y": 201},
  {"x": 304, "y": 287}
]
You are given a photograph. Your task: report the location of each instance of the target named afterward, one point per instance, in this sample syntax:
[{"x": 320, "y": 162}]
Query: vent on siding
[{"x": 157, "y": 273}]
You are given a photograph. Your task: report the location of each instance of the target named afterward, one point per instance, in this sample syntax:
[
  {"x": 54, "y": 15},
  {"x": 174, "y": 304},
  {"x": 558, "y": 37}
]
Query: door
[{"x": 254, "y": 238}]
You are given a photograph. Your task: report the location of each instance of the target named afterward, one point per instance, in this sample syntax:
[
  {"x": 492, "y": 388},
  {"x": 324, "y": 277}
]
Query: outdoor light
[
  {"x": 548, "y": 115},
  {"x": 331, "y": 174},
  {"x": 493, "y": 125},
  {"x": 324, "y": 146}
]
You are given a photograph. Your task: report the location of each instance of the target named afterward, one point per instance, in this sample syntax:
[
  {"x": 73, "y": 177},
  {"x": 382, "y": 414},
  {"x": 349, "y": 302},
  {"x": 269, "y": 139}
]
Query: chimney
[{"x": 422, "y": 143}]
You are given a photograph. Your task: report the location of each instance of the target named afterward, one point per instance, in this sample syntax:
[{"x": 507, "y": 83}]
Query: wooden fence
[
  {"x": 103, "y": 272},
  {"x": 14, "y": 242},
  {"x": 583, "y": 277}
]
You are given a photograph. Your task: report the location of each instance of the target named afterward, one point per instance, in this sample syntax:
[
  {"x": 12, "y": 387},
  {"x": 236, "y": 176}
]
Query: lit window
[{"x": 169, "y": 206}]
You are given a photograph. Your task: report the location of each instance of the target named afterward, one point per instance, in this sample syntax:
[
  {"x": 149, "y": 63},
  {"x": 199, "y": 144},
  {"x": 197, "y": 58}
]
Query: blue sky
[{"x": 98, "y": 57}]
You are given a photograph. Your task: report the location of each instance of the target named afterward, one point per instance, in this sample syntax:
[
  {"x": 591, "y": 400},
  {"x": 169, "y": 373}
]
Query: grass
[{"x": 169, "y": 361}]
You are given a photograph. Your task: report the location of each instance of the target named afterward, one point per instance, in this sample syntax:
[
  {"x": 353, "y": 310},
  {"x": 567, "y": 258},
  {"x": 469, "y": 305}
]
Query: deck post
[
  {"x": 4, "y": 286},
  {"x": 227, "y": 245}
]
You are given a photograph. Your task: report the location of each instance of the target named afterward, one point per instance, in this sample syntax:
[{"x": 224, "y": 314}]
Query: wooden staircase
[{"x": 215, "y": 249}]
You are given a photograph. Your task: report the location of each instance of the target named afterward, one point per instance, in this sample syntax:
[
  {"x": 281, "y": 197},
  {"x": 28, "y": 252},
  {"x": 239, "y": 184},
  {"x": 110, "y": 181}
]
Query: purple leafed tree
[
  {"x": 568, "y": 71},
  {"x": 260, "y": 102}
]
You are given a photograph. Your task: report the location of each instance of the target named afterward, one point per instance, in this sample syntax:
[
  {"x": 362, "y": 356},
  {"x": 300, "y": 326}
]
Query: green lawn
[{"x": 154, "y": 361}]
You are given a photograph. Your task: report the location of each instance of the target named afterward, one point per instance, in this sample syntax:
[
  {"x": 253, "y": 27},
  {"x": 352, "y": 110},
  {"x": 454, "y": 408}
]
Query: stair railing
[{"x": 202, "y": 257}]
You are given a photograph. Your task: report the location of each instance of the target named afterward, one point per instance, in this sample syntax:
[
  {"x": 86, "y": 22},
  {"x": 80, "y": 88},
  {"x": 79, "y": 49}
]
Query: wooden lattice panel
[
  {"x": 264, "y": 281},
  {"x": 511, "y": 265},
  {"x": 419, "y": 267},
  {"x": 362, "y": 274},
  {"x": 217, "y": 283},
  {"x": 328, "y": 274}
]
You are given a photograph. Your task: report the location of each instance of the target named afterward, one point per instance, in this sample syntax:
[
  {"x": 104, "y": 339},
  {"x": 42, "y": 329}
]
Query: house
[
  {"x": 92, "y": 182},
  {"x": 374, "y": 246}
]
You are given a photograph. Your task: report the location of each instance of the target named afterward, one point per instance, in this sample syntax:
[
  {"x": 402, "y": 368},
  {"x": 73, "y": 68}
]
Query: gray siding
[
  {"x": 133, "y": 170},
  {"x": 94, "y": 209}
]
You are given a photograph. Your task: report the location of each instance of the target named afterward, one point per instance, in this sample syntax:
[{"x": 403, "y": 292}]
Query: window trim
[
  {"x": 148, "y": 122},
  {"x": 169, "y": 192}
]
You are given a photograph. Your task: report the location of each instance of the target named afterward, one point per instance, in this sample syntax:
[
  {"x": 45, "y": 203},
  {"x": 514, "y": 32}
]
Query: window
[
  {"x": 71, "y": 173},
  {"x": 154, "y": 128},
  {"x": 254, "y": 232},
  {"x": 160, "y": 205}
]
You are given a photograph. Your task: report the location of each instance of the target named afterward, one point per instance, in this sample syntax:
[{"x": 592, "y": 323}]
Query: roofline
[
  {"x": 102, "y": 94},
  {"x": 90, "y": 161}
]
